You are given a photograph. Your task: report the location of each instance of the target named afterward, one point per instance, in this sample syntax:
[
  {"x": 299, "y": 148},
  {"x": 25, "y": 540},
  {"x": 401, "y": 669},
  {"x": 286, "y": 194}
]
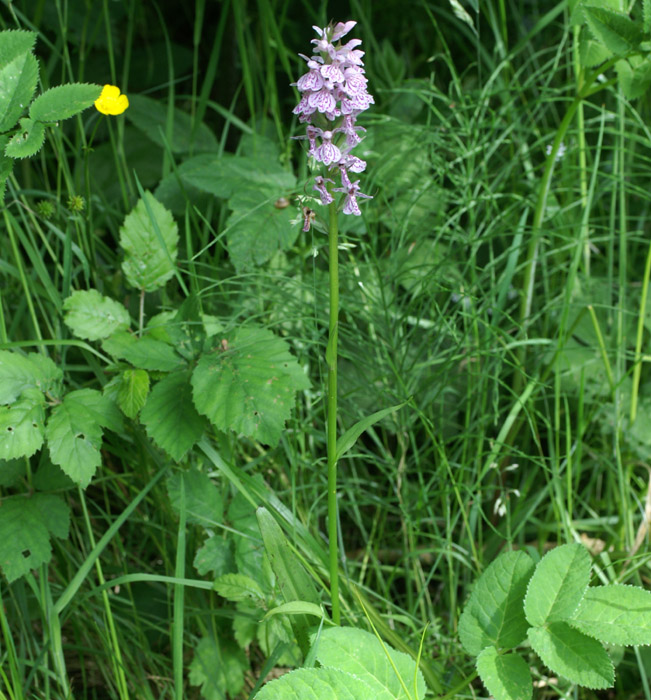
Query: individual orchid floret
[
  {"x": 321, "y": 187},
  {"x": 350, "y": 202}
]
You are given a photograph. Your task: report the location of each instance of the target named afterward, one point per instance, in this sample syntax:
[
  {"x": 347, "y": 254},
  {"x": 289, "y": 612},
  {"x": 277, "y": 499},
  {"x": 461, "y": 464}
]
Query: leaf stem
[{"x": 331, "y": 359}]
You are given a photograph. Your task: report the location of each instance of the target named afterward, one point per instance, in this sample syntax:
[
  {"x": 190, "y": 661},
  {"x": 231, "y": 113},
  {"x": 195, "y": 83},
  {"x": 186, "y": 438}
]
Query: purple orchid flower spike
[{"x": 334, "y": 90}]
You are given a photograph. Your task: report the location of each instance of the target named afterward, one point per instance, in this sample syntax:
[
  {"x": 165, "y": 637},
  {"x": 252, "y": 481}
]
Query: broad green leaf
[
  {"x": 218, "y": 666},
  {"x": 13, "y": 43},
  {"x": 11, "y": 471},
  {"x": 506, "y": 677},
  {"x": 634, "y": 76},
  {"x": 27, "y": 141},
  {"x": 63, "y": 101},
  {"x": 149, "y": 237},
  {"x": 92, "y": 316},
  {"x": 150, "y": 116},
  {"x": 152, "y": 354},
  {"x": 493, "y": 615},
  {"x": 19, "y": 372},
  {"x": 170, "y": 417},
  {"x": 317, "y": 684},
  {"x": 22, "y": 425},
  {"x": 203, "y": 501},
  {"x": 291, "y": 577},
  {"x": 247, "y": 383},
  {"x": 116, "y": 344},
  {"x": 257, "y": 228},
  {"x": 558, "y": 584},
  {"x": 360, "y": 653},
  {"x": 74, "y": 433},
  {"x": 615, "y": 614},
  {"x": 591, "y": 52},
  {"x": 573, "y": 655},
  {"x": 238, "y": 587},
  {"x": 25, "y": 528},
  {"x": 298, "y": 607},
  {"x": 6, "y": 166},
  {"x": 646, "y": 15},
  {"x": 18, "y": 81},
  {"x": 349, "y": 438},
  {"x": 216, "y": 557},
  {"x": 615, "y": 30},
  {"x": 129, "y": 389}
]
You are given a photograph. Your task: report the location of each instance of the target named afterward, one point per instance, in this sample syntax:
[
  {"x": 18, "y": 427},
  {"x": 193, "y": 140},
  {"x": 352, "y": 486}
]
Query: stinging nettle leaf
[
  {"x": 91, "y": 316},
  {"x": 558, "y": 584},
  {"x": 18, "y": 81},
  {"x": 493, "y": 615},
  {"x": 573, "y": 655},
  {"x": 615, "y": 614},
  {"x": 63, "y": 101},
  {"x": 149, "y": 237},
  {"x": 506, "y": 677}
]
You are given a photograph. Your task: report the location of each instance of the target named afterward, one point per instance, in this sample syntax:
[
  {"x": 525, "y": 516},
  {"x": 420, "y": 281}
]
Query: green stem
[{"x": 331, "y": 359}]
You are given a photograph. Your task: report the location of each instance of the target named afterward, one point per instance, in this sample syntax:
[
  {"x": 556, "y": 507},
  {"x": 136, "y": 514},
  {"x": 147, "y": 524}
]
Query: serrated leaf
[
  {"x": 573, "y": 655},
  {"x": 493, "y": 615},
  {"x": 132, "y": 391},
  {"x": 360, "y": 653},
  {"x": 634, "y": 77},
  {"x": 6, "y": 166},
  {"x": 615, "y": 614},
  {"x": 22, "y": 425},
  {"x": 13, "y": 43},
  {"x": 92, "y": 316},
  {"x": 170, "y": 416},
  {"x": 149, "y": 237},
  {"x": 247, "y": 383},
  {"x": 19, "y": 372},
  {"x": 238, "y": 587},
  {"x": 148, "y": 353},
  {"x": 506, "y": 677},
  {"x": 218, "y": 666},
  {"x": 591, "y": 52},
  {"x": 203, "y": 501},
  {"x": 558, "y": 584},
  {"x": 316, "y": 684},
  {"x": 257, "y": 229},
  {"x": 615, "y": 30},
  {"x": 27, "y": 141},
  {"x": 63, "y": 101},
  {"x": 215, "y": 556},
  {"x": 18, "y": 80},
  {"x": 74, "y": 433},
  {"x": 116, "y": 344},
  {"x": 25, "y": 528}
]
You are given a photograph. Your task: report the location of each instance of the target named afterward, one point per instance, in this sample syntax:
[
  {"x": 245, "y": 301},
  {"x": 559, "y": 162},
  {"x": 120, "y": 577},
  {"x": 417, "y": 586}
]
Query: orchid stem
[{"x": 331, "y": 359}]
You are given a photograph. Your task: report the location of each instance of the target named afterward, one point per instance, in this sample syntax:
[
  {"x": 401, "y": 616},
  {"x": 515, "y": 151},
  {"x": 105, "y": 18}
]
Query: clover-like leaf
[
  {"x": 247, "y": 383},
  {"x": 92, "y": 316}
]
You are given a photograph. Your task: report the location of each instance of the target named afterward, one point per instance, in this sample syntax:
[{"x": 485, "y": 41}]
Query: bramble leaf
[
  {"x": 152, "y": 354},
  {"x": 92, "y": 316},
  {"x": 149, "y": 237},
  {"x": 493, "y": 615},
  {"x": 19, "y": 372},
  {"x": 247, "y": 383},
  {"x": 506, "y": 677},
  {"x": 558, "y": 584},
  {"x": 63, "y": 101},
  {"x": 573, "y": 655},
  {"x": 129, "y": 389},
  {"x": 317, "y": 684}
]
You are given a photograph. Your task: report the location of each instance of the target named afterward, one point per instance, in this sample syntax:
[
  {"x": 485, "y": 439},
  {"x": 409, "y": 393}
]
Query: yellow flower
[{"x": 110, "y": 101}]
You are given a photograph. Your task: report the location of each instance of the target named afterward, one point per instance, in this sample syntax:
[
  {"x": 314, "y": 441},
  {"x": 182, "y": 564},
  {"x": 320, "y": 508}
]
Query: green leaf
[
  {"x": 149, "y": 237},
  {"x": 203, "y": 501},
  {"x": 646, "y": 15},
  {"x": 591, "y": 52},
  {"x": 18, "y": 81},
  {"x": 493, "y": 615},
  {"x": 13, "y": 43},
  {"x": 360, "y": 653},
  {"x": 19, "y": 372},
  {"x": 74, "y": 433},
  {"x": 257, "y": 229},
  {"x": 238, "y": 587},
  {"x": 247, "y": 384},
  {"x": 317, "y": 684},
  {"x": 27, "y": 141},
  {"x": 25, "y": 528},
  {"x": 615, "y": 30},
  {"x": 615, "y": 614},
  {"x": 216, "y": 557},
  {"x": 218, "y": 666},
  {"x": 129, "y": 389},
  {"x": 298, "y": 607},
  {"x": 634, "y": 76},
  {"x": 170, "y": 417},
  {"x": 506, "y": 677},
  {"x": 558, "y": 584},
  {"x": 63, "y": 101},
  {"x": 573, "y": 655},
  {"x": 349, "y": 438},
  {"x": 6, "y": 166},
  {"x": 92, "y": 316},
  {"x": 150, "y": 117},
  {"x": 22, "y": 425},
  {"x": 148, "y": 353}
]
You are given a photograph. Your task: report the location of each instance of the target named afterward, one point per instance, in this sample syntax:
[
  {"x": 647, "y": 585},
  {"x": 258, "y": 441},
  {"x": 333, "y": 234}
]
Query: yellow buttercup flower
[{"x": 111, "y": 101}]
